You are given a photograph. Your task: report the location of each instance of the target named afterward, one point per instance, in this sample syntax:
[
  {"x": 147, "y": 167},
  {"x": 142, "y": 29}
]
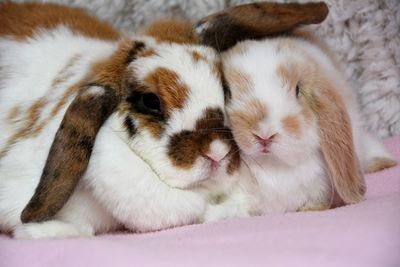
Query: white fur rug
[{"x": 364, "y": 34}]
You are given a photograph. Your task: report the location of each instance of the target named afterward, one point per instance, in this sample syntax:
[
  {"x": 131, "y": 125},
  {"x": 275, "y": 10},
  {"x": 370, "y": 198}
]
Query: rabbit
[
  {"x": 298, "y": 125},
  {"x": 102, "y": 131}
]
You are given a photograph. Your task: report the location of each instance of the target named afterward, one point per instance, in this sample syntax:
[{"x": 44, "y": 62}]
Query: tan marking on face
[
  {"x": 174, "y": 31},
  {"x": 238, "y": 81},
  {"x": 378, "y": 164},
  {"x": 173, "y": 93},
  {"x": 302, "y": 75},
  {"x": 22, "y": 20},
  {"x": 186, "y": 146},
  {"x": 292, "y": 124},
  {"x": 153, "y": 126},
  {"x": 290, "y": 74},
  {"x": 14, "y": 113},
  {"x": 246, "y": 121},
  {"x": 197, "y": 57}
]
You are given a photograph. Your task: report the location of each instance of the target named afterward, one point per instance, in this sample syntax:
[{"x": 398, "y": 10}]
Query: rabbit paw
[
  {"x": 378, "y": 164},
  {"x": 50, "y": 229}
]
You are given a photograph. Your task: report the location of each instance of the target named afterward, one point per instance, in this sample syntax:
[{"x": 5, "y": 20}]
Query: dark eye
[
  {"x": 146, "y": 103},
  {"x": 297, "y": 90},
  {"x": 151, "y": 102}
]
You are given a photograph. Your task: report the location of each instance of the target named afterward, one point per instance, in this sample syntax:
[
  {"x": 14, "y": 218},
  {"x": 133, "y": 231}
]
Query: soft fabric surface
[
  {"x": 366, "y": 234},
  {"x": 364, "y": 34}
]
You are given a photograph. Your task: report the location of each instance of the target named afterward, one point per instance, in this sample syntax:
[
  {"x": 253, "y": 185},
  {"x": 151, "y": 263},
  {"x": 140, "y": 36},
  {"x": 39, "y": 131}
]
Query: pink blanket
[{"x": 366, "y": 234}]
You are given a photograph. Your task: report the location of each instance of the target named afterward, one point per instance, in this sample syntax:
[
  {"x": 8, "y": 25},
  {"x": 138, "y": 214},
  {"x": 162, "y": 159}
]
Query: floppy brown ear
[
  {"x": 254, "y": 21},
  {"x": 73, "y": 143},
  {"x": 337, "y": 144},
  {"x": 70, "y": 153}
]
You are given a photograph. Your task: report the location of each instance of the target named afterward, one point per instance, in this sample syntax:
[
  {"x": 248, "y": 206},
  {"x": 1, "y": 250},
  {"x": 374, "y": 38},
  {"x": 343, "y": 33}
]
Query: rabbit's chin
[{"x": 201, "y": 173}]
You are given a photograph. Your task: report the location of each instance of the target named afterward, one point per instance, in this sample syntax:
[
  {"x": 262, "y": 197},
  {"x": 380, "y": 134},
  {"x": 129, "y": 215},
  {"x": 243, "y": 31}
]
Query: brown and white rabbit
[
  {"x": 100, "y": 131},
  {"x": 298, "y": 125}
]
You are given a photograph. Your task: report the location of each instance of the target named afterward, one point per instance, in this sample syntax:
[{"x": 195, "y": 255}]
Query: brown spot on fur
[
  {"x": 62, "y": 76},
  {"x": 173, "y": 31},
  {"x": 33, "y": 126},
  {"x": 65, "y": 73},
  {"x": 185, "y": 147},
  {"x": 112, "y": 71},
  {"x": 14, "y": 113},
  {"x": 173, "y": 93},
  {"x": 255, "y": 21},
  {"x": 292, "y": 124},
  {"x": 378, "y": 164},
  {"x": 56, "y": 109},
  {"x": 238, "y": 80},
  {"x": 197, "y": 57},
  {"x": 29, "y": 121},
  {"x": 22, "y": 20}
]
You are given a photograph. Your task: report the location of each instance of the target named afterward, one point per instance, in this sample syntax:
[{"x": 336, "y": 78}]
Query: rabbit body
[{"x": 138, "y": 176}]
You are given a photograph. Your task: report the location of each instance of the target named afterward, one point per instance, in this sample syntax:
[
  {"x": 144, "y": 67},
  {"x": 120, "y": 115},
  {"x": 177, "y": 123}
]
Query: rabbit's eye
[
  {"x": 146, "y": 103},
  {"x": 151, "y": 102},
  {"x": 297, "y": 90}
]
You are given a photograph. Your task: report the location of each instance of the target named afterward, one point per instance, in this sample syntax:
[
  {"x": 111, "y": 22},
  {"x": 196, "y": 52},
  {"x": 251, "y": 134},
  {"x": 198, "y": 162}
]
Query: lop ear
[
  {"x": 254, "y": 21},
  {"x": 70, "y": 152},
  {"x": 73, "y": 143},
  {"x": 337, "y": 144}
]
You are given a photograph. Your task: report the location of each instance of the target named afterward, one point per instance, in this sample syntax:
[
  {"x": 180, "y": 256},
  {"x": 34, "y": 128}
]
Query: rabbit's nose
[
  {"x": 217, "y": 152},
  {"x": 264, "y": 140}
]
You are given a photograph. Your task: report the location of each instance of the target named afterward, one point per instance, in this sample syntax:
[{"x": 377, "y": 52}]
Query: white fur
[
  {"x": 128, "y": 181},
  {"x": 293, "y": 175}
]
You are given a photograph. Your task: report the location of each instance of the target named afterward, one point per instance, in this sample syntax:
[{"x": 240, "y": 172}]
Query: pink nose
[
  {"x": 217, "y": 152},
  {"x": 263, "y": 140}
]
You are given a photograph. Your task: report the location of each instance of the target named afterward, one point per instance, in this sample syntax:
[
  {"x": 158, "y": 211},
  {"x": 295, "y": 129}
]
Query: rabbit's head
[{"x": 286, "y": 106}]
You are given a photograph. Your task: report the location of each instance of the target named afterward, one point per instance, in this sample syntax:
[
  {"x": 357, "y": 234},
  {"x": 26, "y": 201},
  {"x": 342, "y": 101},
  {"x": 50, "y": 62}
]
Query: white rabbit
[
  {"x": 101, "y": 131},
  {"x": 155, "y": 152},
  {"x": 298, "y": 125}
]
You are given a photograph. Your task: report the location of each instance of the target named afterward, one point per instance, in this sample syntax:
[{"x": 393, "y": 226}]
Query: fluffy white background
[{"x": 364, "y": 34}]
